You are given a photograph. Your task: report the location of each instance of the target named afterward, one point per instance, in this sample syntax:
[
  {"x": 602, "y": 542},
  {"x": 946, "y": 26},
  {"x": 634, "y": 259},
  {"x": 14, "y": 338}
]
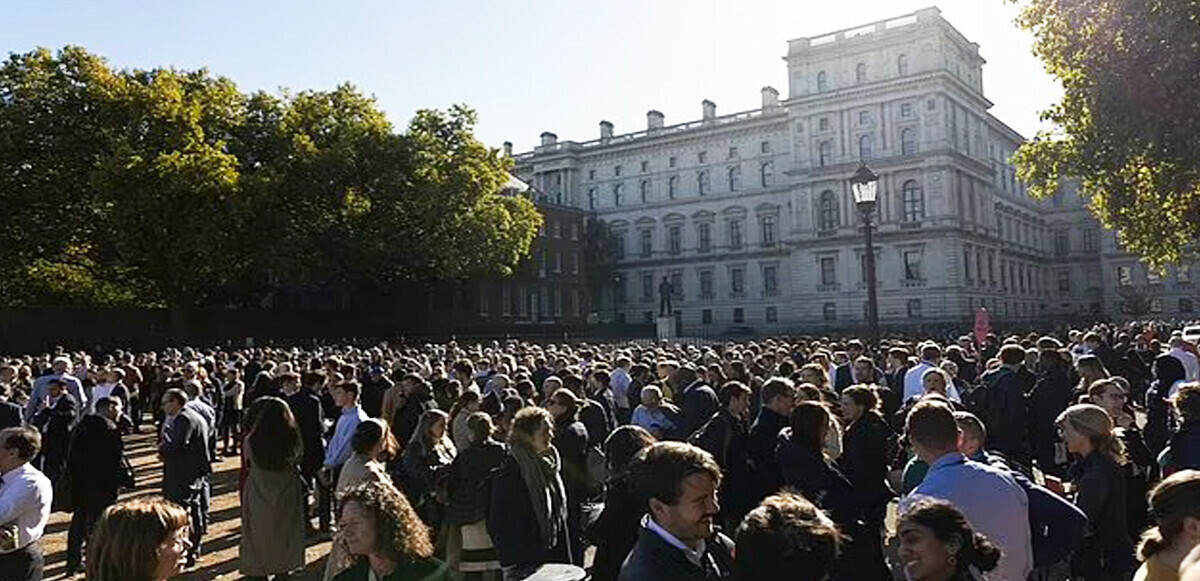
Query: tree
[
  {"x": 600, "y": 248},
  {"x": 1128, "y": 118}
]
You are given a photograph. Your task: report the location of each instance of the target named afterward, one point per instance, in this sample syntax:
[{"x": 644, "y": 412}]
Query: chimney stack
[
  {"x": 654, "y": 119},
  {"x": 508, "y": 148},
  {"x": 770, "y": 98},
  {"x": 709, "y": 108},
  {"x": 549, "y": 139},
  {"x": 606, "y": 130}
]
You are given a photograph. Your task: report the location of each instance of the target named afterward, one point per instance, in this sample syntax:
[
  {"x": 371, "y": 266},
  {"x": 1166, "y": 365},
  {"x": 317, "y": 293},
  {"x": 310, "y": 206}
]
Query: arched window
[
  {"x": 860, "y": 73},
  {"x": 902, "y": 64},
  {"x": 645, "y": 191},
  {"x": 702, "y": 182},
  {"x": 913, "y": 201},
  {"x": 864, "y": 147},
  {"x": 766, "y": 174},
  {"x": 822, "y": 82},
  {"x": 618, "y": 193},
  {"x": 908, "y": 142},
  {"x": 735, "y": 178},
  {"x": 828, "y": 219},
  {"x": 673, "y": 187},
  {"x": 825, "y": 153}
]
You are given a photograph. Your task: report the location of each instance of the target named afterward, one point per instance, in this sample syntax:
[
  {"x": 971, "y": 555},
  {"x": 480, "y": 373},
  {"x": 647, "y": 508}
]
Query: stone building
[{"x": 750, "y": 214}]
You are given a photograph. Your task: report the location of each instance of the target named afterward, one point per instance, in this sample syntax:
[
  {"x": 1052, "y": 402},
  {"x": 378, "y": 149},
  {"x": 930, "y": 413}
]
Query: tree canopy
[
  {"x": 1127, "y": 123},
  {"x": 170, "y": 187}
]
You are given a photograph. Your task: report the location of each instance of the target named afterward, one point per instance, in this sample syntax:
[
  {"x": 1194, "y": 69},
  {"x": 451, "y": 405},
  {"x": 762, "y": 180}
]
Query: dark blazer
[
  {"x": 572, "y": 441},
  {"x": 699, "y": 404},
  {"x": 615, "y": 531},
  {"x": 10, "y": 415},
  {"x": 97, "y": 462},
  {"x": 726, "y": 438},
  {"x": 819, "y": 481},
  {"x": 761, "y": 444},
  {"x": 1050, "y": 396},
  {"x": 843, "y": 376},
  {"x": 653, "y": 559},
  {"x": 1107, "y": 550},
  {"x": 306, "y": 407},
  {"x": 185, "y": 454},
  {"x": 1007, "y": 419},
  {"x": 55, "y": 424},
  {"x": 513, "y": 526},
  {"x": 596, "y": 419},
  {"x": 408, "y": 416},
  {"x": 866, "y": 448}
]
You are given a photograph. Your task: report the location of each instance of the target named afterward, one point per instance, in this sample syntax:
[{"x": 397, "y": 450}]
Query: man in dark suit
[
  {"x": 10, "y": 413},
  {"x": 843, "y": 375},
  {"x": 98, "y": 471},
  {"x": 699, "y": 400},
  {"x": 306, "y": 407},
  {"x": 185, "y": 458},
  {"x": 55, "y": 420}
]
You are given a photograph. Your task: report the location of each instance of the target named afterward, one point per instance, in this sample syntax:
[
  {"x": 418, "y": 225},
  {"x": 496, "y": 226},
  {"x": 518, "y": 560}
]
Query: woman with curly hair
[
  {"x": 938, "y": 544},
  {"x": 387, "y": 538},
  {"x": 144, "y": 539}
]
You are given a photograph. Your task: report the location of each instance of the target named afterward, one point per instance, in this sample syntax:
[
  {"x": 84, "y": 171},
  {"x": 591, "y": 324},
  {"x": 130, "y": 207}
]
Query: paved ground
[{"x": 219, "y": 559}]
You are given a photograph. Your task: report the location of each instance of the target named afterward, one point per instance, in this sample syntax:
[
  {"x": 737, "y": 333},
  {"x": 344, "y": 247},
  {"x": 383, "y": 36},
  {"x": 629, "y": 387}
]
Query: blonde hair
[
  {"x": 1173, "y": 500},
  {"x": 124, "y": 546},
  {"x": 1092, "y": 422}
]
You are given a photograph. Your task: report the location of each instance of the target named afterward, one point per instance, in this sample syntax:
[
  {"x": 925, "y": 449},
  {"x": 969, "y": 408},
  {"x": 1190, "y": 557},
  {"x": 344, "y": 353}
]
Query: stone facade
[{"x": 752, "y": 218}]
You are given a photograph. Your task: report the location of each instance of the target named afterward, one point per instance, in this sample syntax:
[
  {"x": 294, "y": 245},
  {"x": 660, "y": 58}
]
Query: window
[
  {"x": 735, "y": 234},
  {"x": 672, "y": 161},
  {"x": 591, "y": 198},
  {"x": 1185, "y": 306},
  {"x": 706, "y": 284},
  {"x": 914, "y": 201},
  {"x": 864, "y": 118},
  {"x": 1153, "y": 277},
  {"x": 770, "y": 276},
  {"x": 506, "y": 299},
  {"x": 557, "y": 261},
  {"x": 1184, "y": 274},
  {"x": 645, "y": 166},
  {"x": 618, "y": 291},
  {"x": 967, "y": 265},
  {"x": 828, "y": 271},
  {"x": 1090, "y": 237},
  {"x": 766, "y": 174},
  {"x": 914, "y": 308},
  {"x": 677, "y": 284},
  {"x": 574, "y": 230},
  {"x": 706, "y": 317},
  {"x": 483, "y": 301},
  {"x": 737, "y": 280},
  {"x": 828, "y": 218},
  {"x": 764, "y": 147},
  {"x": 647, "y": 243},
  {"x": 644, "y": 189},
  {"x": 829, "y": 311},
  {"x": 864, "y": 147},
  {"x": 735, "y": 178},
  {"x": 1156, "y": 305},
  {"x": 673, "y": 187},
  {"x": 912, "y": 265},
  {"x": 906, "y": 110},
  {"x": 739, "y": 315},
  {"x": 860, "y": 73},
  {"x": 674, "y": 239},
  {"x": 647, "y": 286},
  {"x": 619, "y": 244},
  {"x": 1064, "y": 280},
  {"x": 908, "y": 142},
  {"x": 618, "y": 194},
  {"x": 702, "y": 183},
  {"x": 1125, "y": 275},
  {"x": 704, "y": 237},
  {"x": 1062, "y": 243},
  {"x": 591, "y": 174},
  {"x": 617, "y": 170},
  {"x": 733, "y": 153},
  {"x": 930, "y": 105},
  {"x": 574, "y": 263},
  {"x": 767, "y": 223},
  {"x": 825, "y": 153},
  {"x": 822, "y": 82},
  {"x": 702, "y": 157},
  {"x": 823, "y": 124},
  {"x": 902, "y": 64}
]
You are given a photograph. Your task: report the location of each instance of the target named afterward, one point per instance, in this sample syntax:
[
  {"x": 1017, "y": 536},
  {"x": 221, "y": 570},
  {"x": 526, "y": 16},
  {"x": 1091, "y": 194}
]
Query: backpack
[{"x": 982, "y": 399}]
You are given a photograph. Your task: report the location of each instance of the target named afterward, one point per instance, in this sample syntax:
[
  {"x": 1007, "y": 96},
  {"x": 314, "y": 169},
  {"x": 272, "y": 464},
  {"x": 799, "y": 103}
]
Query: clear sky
[{"x": 526, "y": 66}]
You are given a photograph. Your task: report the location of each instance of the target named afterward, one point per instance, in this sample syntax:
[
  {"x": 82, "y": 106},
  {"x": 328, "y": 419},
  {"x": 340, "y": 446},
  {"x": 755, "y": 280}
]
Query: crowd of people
[{"x": 1010, "y": 458}]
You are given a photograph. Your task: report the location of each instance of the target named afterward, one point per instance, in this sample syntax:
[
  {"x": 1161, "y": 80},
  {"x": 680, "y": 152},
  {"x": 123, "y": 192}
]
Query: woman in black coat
[
  {"x": 1141, "y": 468},
  {"x": 1050, "y": 396},
  {"x": 866, "y": 447},
  {"x": 571, "y": 439},
  {"x": 1098, "y": 481},
  {"x": 1167, "y": 372},
  {"x": 616, "y": 530}
]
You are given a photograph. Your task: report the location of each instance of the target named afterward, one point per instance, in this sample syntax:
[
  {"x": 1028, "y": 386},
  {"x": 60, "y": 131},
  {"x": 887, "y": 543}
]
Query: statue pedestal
[{"x": 665, "y": 327}]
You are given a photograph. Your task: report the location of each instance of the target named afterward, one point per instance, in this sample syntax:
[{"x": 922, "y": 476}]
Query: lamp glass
[{"x": 865, "y": 192}]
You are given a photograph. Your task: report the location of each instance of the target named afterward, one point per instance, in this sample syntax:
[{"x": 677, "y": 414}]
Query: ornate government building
[{"x": 750, "y": 214}]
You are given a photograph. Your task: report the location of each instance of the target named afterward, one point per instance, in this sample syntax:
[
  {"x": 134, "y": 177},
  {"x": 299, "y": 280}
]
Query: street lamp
[{"x": 865, "y": 185}]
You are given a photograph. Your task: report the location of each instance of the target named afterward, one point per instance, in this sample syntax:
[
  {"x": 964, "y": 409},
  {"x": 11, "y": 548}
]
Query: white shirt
[
  {"x": 696, "y": 556},
  {"x": 619, "y": 382},
  {"x": 915, "y": 387},
  {"x": 1191, "y": 365},
  {"x": 25, "y": 495},
  {"x": 99, "y": 391}
]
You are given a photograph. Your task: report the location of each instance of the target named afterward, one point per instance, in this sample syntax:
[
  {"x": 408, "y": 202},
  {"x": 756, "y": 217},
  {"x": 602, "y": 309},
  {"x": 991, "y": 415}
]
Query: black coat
[
  {"x": 185, "y": 456},
  {"x": 760, "y": 446},
  {"x": 1006, "y": 416},
  {"x": 727, "y": 439},
  {"x": 371, "y": 398},
  {"x": 10, "y": 415},
  {"x": 1050, "y": 396},
  {"x": 596, "y": 419},
  {"x": 1107, "y": 550},
  {"x": 55, "y": 423},
  {"x": 615, "y": 532},
  {"x": 867, "y": 447},
  {"x": 513, "y": 525},
  {"x": 819, "y": 481},
  {"x": 652, "y": 559},
  {"x": 306, "y": 407},
  {"x": 97, "y": 463},
  {"x": 1183, "y": 452},
  {"x": 699, "y": 403},
  {"x": 409, "y": 416},
  {"x": 571, "y": 440},
  {"x": 468, "y": 473}
]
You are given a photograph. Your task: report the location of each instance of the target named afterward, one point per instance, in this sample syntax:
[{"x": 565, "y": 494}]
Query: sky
[{"x": 526, "y": 66}]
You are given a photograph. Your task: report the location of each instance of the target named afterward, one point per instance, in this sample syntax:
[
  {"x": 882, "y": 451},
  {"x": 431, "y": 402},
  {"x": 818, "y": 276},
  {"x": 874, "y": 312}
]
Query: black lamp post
[{"x": 865, "y": 185}]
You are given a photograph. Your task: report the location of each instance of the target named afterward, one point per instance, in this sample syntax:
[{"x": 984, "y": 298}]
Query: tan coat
[{"x": 272, "y": 540}]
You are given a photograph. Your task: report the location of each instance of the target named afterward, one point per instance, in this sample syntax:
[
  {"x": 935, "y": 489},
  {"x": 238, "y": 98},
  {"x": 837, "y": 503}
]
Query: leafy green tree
[{"x": 1127, "y": 123}]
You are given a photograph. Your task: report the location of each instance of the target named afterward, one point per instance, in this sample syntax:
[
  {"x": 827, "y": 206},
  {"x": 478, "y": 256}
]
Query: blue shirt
[
  {"x": 994, "y": 504},
  {"x": 339, "y": 446}
]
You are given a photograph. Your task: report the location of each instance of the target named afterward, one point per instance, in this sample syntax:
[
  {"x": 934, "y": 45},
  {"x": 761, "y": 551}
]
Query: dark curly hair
[
  {"x": 786, "y": 538},
  {"x": 399, "y": 532},
  {"x": 947, "y": 522}
]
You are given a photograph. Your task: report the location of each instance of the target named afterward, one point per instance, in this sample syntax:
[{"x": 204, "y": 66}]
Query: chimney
[
  {"x": 770, "y": 98},
  {"x": 508, "y": 149},
  {"x": 549, "y": 139},
  {"x": 654, "y": 119},
  {"x": 606, "y": 130},
  {"x": 710, "y": 109}
]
